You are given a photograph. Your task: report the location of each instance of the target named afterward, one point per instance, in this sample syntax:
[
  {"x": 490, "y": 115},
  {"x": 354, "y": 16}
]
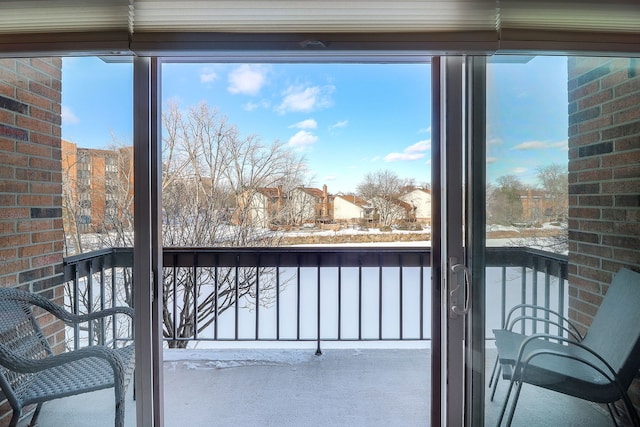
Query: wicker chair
[{"x": 31, "y": 374}]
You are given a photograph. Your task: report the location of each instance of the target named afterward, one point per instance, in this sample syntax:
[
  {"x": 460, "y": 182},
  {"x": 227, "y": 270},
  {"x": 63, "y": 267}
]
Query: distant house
[
  {"x": 420, "y": 201},
  {"x": 349, "y": 208},
  {"x": 539, "y": 206},
  {"x": 261, "y": 207},
  {"x": 310, "y": 205},
  {"x": 389, "y": 210}
]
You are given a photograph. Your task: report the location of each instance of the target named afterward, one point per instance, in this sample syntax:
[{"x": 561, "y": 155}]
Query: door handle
[{"x": 454, "y": 308}]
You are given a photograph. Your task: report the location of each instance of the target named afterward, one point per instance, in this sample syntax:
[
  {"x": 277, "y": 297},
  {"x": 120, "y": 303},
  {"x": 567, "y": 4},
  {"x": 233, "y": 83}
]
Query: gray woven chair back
[
  {"x": 19, "y": 334},
  {"x": 615, "y": 330}
]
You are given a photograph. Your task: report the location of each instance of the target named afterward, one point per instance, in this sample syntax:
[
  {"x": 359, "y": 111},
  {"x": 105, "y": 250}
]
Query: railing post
[
  {"x": 298, "y": 299},
  {"x": 257, "y": 333},
  {"x": 400, "y": 297},
  {"x": 103, "y": 331},
  {"x": 318, "y": 350},
  {"x": 359, "y": 297},
  {"x": 523, "y": 294},
  {"x": 114, "y": 326},
  {"x": 547, "y": 292},
  {"x": 215, "y": 296},
  {"x": 503, "y": 295},
  {"x": 90, "y": 302},
  {"x": 339, "y": 297},
  {"x": 421, "y": 271},
  {"x": 380, "y": 309},
  {"x": 74, "y": 305},
  {"x": 195, "y": 296},
  {"x": 174, "y": 287},
  {"x": 237, "y": 293},
  {"x": 278, "y": 297}
]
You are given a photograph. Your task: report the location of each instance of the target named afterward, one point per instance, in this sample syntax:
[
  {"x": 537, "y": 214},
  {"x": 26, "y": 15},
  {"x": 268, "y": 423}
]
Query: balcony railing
[{"x": 300, "y": 293}]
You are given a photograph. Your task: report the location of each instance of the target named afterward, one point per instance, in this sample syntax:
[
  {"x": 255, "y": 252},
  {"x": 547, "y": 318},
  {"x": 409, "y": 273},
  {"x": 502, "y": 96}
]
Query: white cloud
[
  {"x": 252, "y": 106},
  {"x": 247, "y": 79},
  {"x": 491, "y": 159},
  {"x": 519, "y": 171},
  {"x": 306, "y": 124},
  {"x": 68, "y": 116},
  {"x": 412, "y": 152},
  {"x": 339, "y": 125},
  {"x": 531, "y": 145},
  {"x": 207, "y": 76},
  {"x": 541, "y": 145},
  {"x": 305, "y": 99},
  {"x": 395, "y": 157},
  {"x": 425, "y": 130},
  {"x": 419, "y": 146},
  {"x": 302, "y": 139},
  {"x": 329, "y": 178},
  {"x": 562, "y": 145}
]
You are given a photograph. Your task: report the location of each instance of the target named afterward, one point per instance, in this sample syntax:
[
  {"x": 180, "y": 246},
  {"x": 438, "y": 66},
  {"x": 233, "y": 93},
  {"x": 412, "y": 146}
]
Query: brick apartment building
[{"x": 97, "y": 188}]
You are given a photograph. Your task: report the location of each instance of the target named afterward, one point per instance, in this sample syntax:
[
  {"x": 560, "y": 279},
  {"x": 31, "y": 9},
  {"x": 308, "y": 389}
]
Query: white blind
[
  {"x": 620, "y": 16},
  {"x": 438, "y": 19},
  {"x": 57, "y": 16},
  {"x": 314, "y": 15}
]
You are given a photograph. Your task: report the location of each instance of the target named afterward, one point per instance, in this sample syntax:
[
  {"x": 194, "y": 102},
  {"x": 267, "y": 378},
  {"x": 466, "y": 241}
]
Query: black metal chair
[{"x": 600, "y": 368}]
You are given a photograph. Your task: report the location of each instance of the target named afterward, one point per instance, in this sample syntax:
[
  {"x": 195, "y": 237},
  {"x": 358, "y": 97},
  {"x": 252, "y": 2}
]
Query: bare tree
[
  {"x": 207, "y": 167},
  {"x": 71, "y": 215},
  {"x": 382, "y": 189},
  {"x": 97, "y": 204},
  {"x": 555, "y": 184},
  {"x": 504, "y": 205},
  {"x": 211, "y": 178}
]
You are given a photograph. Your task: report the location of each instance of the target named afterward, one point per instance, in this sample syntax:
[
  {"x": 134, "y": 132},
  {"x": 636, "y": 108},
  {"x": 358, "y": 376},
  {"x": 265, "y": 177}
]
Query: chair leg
[
  {"x": 631, "y": 411},
  {"x": 15, "y": 418},
  {"x": 613, "y": 417},
  {"x": 513, "y": 405},
  {"x": 119, "y": 414},
  {"x": 34, "y": 418},
  {"x": 493, "y": 372},
  {"x": 495, "y": 383},
  {"x": 504, "y": 405}
]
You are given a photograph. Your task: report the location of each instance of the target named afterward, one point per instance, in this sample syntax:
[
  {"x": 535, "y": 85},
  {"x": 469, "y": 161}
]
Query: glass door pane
[
  {"x": 66, "y": 220},
  {"x": 296, "y": 226},
  {"x": 558, "y": 159}
]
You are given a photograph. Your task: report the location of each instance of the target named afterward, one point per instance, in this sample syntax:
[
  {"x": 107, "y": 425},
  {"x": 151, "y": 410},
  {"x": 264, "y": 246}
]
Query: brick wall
[
  {"x": 31, "y": 236},
  {"x": 604, "y": 179}
]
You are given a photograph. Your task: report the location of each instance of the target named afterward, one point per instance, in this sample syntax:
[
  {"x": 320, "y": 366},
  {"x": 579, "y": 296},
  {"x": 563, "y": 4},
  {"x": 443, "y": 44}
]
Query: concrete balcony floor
[{"x": 343, "y": 387}]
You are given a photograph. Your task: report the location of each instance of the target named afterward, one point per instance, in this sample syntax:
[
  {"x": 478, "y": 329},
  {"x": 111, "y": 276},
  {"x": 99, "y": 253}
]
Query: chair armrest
[
  {"x": 574, "y": 333},
  {"x": 560, "y": 317},
  {"x": 81, "y": 318},
  {"x": 60, "y": 312},
  {"x": 610, "y": 376},
  {"x": 534, "y": 353},
  {"x": 23, "y": 365}
]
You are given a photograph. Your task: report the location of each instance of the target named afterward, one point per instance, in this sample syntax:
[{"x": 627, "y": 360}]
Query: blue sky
[{"x": 346, "y": 119}]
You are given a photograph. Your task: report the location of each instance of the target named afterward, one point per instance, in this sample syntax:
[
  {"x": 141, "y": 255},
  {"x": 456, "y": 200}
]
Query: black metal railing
[
  {"x": 304, "y": 293},
  {"x": 542, "y": 281},
  {"x": 94, "y": 281}
]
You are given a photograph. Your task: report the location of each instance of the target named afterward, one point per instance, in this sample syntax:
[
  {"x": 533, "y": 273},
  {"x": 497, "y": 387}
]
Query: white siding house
[
  {"x": 351, "y": 208},
  {"x": 420, "y": 200}
]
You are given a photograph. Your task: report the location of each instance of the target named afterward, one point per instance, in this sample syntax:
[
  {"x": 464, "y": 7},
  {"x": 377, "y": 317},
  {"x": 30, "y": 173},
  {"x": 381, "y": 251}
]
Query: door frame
[{"x": 458, "y": 237}]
